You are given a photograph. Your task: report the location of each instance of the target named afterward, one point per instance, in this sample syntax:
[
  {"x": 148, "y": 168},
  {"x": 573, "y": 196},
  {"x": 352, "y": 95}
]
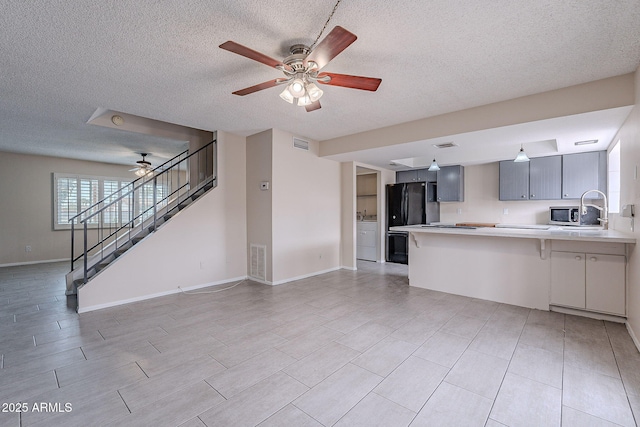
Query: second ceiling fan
[{"x": 302, "y": 69}]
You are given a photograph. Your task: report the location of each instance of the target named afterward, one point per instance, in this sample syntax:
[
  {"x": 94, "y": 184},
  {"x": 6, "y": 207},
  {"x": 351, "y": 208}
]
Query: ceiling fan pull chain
[{"x": 325, "y": 25}]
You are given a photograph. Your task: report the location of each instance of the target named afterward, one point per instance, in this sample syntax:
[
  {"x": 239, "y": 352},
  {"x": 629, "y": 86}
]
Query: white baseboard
[
  {"x": 349, "y": 268},
  {"x": 156, "y": 295},
  {"x": 304, "y": 276},
  {"x": 14, "y": 264},
  {"x": 633, "y": 336},
  {"x": 264, "y": 282},
  {"x": 590, "y": 314}
]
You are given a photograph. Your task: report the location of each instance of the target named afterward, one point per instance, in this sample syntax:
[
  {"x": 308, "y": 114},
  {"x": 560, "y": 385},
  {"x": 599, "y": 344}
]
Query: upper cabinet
[
  {"x": 416, "y": 175},
  {"x": 554, "y": 177},
  {"x": 425, "y": 175},
  {"x": 545, "y": 178},
  {"x": 450, "y": 181},
  {"x": 514, "y": 180},
  {"x": 582, "y": 172},
  {"x": 407, "y": 176}
]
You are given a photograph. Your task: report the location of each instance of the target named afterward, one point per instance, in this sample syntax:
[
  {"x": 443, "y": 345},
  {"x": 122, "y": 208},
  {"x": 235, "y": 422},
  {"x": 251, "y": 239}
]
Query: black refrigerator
[{"x": 408, "y": 204}]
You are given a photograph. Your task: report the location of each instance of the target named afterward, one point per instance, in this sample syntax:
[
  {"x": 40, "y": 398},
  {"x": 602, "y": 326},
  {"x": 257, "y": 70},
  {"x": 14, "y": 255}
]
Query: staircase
[{"x": 107, "y": 230}]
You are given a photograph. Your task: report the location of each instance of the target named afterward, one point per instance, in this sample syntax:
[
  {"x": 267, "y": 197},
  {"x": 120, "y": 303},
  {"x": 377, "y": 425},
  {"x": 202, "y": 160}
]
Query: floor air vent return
[
  {"x": 258, "y": 262},
  {"x": 301, "y": 144}
]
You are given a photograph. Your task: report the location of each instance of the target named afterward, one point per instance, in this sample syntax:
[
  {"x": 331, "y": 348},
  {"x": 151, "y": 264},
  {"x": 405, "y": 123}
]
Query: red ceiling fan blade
[
  {"x": 354, "y": 82},
  {"x": 335, "y": 42},
  {"x": 252, "y": 54},
  {"x": 312, "y": 107},
  {"x": 261, "y": 86}
]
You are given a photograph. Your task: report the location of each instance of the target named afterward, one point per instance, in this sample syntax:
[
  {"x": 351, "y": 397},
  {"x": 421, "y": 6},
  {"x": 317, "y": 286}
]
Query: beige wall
[
  {"x": 26, "y": 210},
  {"x": 259, "y": 204},
  {"x": 203, "y": 244},
  {"x": 348, "y": 215},
  {"x": 305, "y": 210},
  {"x": 481, "y": 204},
  {"x": 629, "y": 136},
  {"x": 298, "y": 218}
]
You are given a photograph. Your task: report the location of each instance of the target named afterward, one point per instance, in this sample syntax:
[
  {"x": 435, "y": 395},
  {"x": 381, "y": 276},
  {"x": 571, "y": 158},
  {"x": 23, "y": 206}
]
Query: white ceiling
[{"x": 60, "y": 61}]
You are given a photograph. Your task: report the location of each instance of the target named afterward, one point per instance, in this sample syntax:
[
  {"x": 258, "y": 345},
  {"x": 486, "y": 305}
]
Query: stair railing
[{"x": 114, "y": 221}]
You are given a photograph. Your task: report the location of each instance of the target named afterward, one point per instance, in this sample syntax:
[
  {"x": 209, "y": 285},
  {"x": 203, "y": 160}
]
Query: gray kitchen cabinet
[
  {"x": 582, "y": 172},
  {"x": 450, "y": 181},
  {"x": 514, "y": 180},
  {"x": 545, "y": 178},
  {"x": 425, "y": 175},
  {"x": 407, "y": 176}
]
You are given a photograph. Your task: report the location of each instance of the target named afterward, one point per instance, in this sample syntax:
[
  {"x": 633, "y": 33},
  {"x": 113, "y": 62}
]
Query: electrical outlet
[
  {"x": 505, "y": 211},
  {"x": 27, "y": 248},
  {"x": 459, "y": 211}
]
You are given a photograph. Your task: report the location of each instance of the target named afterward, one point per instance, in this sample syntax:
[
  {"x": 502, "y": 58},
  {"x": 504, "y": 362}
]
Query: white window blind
[{"x": 75, "y": 193}]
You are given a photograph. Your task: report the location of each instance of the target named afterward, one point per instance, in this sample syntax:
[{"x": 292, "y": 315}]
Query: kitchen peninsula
[{"x": 543, "y": 268}]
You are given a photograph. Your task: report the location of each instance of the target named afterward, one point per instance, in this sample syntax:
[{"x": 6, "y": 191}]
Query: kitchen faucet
[{"x": 604, "y": 209}]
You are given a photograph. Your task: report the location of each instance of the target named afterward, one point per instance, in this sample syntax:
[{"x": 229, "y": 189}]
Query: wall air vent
[
  {"x": 258, "y": 268},
  {"x": 445, "y": 145},
  {"x": 301, "y": 144}
]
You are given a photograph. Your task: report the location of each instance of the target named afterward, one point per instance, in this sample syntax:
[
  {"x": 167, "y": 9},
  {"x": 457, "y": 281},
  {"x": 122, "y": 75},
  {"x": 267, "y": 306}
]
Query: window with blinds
[{"x": 74, "y": 193}]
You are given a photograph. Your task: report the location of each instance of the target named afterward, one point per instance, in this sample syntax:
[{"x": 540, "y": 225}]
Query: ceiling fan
[
  {"x": 143, "y": 168},
  {"x": 302, "y": 69}
]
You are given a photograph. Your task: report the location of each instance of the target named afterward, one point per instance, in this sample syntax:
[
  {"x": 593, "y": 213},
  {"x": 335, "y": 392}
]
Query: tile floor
[{"x": 345, "y": 348}]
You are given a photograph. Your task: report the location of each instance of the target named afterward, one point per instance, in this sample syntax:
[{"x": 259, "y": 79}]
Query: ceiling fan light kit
[{"x": 143, "y": 168}]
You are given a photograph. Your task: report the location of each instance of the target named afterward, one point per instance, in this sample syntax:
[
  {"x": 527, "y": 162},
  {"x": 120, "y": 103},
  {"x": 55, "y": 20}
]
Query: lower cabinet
[
  {"x": 589, "y": 281},
  {"x": 366, "y": 246}
]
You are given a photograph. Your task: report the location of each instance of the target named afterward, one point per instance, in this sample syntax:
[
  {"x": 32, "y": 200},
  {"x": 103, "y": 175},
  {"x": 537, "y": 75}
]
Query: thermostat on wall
[{"x": 264, "y": 185}]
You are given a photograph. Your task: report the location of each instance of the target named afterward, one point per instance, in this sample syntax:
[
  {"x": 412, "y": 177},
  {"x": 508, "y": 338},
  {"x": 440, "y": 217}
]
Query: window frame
[{"x": 614, "y": 160}]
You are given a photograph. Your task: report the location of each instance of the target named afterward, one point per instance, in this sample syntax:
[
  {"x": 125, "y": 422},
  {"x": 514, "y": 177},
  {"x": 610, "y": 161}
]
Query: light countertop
[{"x": 552, "y": 233}]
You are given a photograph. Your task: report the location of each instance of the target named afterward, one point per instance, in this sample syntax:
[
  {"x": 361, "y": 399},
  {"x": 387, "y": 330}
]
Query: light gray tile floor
[{"x": 346, "y": 348}]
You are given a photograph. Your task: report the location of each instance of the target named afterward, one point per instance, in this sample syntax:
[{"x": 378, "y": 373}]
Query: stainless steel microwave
[{"x": 572, "y": 215}]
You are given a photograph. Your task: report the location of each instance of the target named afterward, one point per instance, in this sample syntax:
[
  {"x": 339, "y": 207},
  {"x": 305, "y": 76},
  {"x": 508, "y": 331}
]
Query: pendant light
[
  {"x": 522, "y": 156},
  {"x": 434, "y": 166}
]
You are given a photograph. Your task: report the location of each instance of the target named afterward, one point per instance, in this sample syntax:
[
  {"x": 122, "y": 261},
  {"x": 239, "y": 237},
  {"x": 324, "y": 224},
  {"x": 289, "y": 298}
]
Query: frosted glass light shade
[
  {"x": 521, "y": 157},
  {"x": 434, "y": 166},
  {"x": 286, "y": 95},
  {"x": 314, "y": 92},
  {"x": 304, "y": 100},
  {"x": 297, "y": 88}
]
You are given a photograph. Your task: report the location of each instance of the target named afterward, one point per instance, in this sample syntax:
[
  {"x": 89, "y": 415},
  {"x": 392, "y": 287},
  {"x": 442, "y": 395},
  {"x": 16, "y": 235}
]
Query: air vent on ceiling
[
  {"x": 445, "y": 145},
  {"x": 590, "y": 141},
  {"x": 301, "y": 144}
]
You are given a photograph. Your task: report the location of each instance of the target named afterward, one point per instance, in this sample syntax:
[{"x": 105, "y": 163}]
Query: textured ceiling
[{"x": 61, "y": 60}]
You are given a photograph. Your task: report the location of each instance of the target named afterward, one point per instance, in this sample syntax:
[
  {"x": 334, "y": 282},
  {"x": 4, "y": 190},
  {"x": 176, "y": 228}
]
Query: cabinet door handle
[
  {"x": 523, "y": 196},
  {"x": 566, "y": 195},
  {"x": 578, "y": 258},
  {"x": 533, "y": 195},
  {"x": 594, "y": 259}
]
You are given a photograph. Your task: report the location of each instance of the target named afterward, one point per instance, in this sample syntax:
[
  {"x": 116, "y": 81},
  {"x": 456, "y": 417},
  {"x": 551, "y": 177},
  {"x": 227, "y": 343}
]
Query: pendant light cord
[{"x": 325, "y": 25}]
